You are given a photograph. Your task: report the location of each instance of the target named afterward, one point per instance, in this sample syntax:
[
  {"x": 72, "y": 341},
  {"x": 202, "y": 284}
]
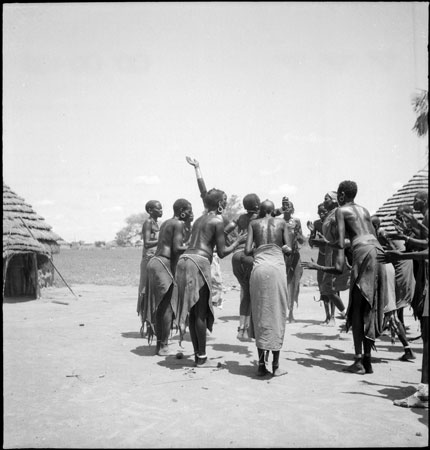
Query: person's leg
[
  {"x": 291, "y": 293},
  {"x": 244, "y": 306},
  {"x": 401, "y": 334},
  {"x": 420, "y": 399},
  {"x": 201, "y": 311},
  {"x": 400, "y": 316},
  {"x": 357, "y": 324},
  {"x": 262, "y": 370},
  {"x": 276, "y": 371},
  {"x": 425, "y": 364},
  {"x": 367, "y": 357},
  {"x": 337, "y": 301},
  {"x": 327, "y": 305},
  {"x": 193, "y": 332},
  {"x": 164, "y": 319}
]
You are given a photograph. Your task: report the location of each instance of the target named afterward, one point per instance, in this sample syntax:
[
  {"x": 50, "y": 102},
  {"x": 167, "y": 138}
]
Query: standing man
[
  {"x": 269, "y": 239},
  {"x": 158, "y": 311},
  {"x": 150, "y": 230}
]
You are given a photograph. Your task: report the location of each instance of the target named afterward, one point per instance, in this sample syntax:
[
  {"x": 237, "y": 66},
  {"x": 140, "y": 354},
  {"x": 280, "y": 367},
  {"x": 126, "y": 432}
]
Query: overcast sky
[{"x": 103, "y": 101}]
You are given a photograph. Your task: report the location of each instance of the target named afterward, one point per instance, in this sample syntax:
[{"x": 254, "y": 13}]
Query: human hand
[
  {"x": 310, "y": 225},
  {"x": 399, "y": 235},
  {"x": 389, "y": 256},
  {"x": 286, "y": 249},
  {"x": 309, "y": 264},
  {"x": 192, "y": 161},
  {"x": 241, "y": 237}
]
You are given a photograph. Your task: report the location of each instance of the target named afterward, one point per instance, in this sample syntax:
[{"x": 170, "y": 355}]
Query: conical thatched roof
[
  {"x": 404, "y": 196},
  {"x": 23, "y": 230}
]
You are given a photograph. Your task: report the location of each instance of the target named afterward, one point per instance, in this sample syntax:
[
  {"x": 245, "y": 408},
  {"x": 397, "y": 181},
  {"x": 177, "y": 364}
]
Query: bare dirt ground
[{"x": 77, "y": 374}]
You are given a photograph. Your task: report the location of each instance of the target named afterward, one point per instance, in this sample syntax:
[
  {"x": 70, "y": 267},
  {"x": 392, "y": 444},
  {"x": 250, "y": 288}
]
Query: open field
[{"x": 121, "y": 266}]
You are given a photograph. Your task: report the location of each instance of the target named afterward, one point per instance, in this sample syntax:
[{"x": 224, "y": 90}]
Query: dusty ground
[{"x": 77, "y": 374}]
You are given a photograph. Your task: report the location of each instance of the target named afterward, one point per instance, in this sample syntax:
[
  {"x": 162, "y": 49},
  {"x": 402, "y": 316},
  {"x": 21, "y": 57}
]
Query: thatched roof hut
[
  {"x": 28, "y": 245},
  {"x": 404, "y": 196}
]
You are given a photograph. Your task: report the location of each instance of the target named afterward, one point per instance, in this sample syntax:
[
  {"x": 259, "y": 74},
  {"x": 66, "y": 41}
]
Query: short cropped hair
[
  {"x": 376, "y": 221},
  {"x": 150, "y": 205},
  {"x": 180, "y": 205},
  {"x": 266, "y": 207},
  {"x": 213, "y": 197},
  {"x": 348, "y": 187},
  {"x": 405, "y": 208},
  {"x": 250, "y": 200},
  {"x": 422, "y": 195},
  {"x": 321, "y": 207}
]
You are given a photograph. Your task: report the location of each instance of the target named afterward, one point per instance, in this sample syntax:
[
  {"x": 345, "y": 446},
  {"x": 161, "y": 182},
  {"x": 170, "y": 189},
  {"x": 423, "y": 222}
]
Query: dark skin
[
  {"x": 353, "y": 221},
  {"x": 147, "y": 228},
  {"x": 396, "y": 255},
  {"x": 404, "y": 220},
  {"x": 228, "y": 226},
  {"x": 170, "y": 245},
  {"x": 268, "y": 230},
  {"x": 394, "y": 317},
  {"x": 207, "y": 235},
  {"x": 150, "y": 232},
  {"x": 329, "y": 204},
  {"x": 171, "y": 236}
]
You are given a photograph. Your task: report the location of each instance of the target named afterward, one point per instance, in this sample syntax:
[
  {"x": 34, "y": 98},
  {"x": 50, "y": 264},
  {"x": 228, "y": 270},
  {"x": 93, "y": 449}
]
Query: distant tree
[
  {"x": 420, "y": 104},
  {"x": 233, "y": 208},
  {"x": 99, "y": 244},
  {"x": 132, "y": 232},
  {"x": 136, "y": 219}
]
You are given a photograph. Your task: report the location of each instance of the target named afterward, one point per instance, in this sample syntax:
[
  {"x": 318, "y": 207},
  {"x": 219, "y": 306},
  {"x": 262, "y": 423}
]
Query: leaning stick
[{"x": 50, "y": 259}]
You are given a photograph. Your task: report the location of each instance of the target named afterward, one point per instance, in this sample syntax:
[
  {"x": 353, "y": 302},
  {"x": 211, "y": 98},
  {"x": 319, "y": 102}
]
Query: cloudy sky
[{"x": 103, "y": 101}]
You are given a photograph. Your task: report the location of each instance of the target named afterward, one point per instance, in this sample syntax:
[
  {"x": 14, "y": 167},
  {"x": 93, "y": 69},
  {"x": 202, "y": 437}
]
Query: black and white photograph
[{"x": 215, "y": 224}]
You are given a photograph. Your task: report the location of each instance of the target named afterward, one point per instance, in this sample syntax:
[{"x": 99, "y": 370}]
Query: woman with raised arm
[{"x": 193, "y": 274}]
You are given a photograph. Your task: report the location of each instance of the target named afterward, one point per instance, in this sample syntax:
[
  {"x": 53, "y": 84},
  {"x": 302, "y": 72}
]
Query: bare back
[
  {"x": 171, "y": 230},
  {"x": 269, "y": 230},
  {"x": 207, "y": 231},
  {"x": 353, "y": 221}
]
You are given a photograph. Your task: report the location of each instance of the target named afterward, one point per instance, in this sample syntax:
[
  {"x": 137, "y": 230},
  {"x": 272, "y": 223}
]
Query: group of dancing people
[{"x": 177, "y": 272}]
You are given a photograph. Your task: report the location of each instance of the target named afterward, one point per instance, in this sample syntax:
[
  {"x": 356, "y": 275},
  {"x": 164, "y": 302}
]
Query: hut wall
[{"x": 21, "y": 278}]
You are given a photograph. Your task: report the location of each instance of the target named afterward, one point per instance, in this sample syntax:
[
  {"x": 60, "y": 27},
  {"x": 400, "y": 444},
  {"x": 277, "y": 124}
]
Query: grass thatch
[
  {"x": 404, "y": 196},
  {"x": 25, "y": 231}
]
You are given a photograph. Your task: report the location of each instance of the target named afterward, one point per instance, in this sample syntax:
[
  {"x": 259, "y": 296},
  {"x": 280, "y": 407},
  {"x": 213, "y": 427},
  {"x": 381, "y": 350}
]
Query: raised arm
[{"x": 200, "y": 182}]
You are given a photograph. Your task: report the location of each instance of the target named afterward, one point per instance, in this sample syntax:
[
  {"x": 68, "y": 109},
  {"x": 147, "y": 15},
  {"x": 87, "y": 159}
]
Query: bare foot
[
  {"x": 413, "y": 401},
  {"x": 277, "y": 372},
  {"x": 262, "y": 370},
  {"x": 205, "y": 363},
  {"x": 408, "y": 356},
  {"x": 357, "y": 367},
  {"x": 164, "y": 350}
]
